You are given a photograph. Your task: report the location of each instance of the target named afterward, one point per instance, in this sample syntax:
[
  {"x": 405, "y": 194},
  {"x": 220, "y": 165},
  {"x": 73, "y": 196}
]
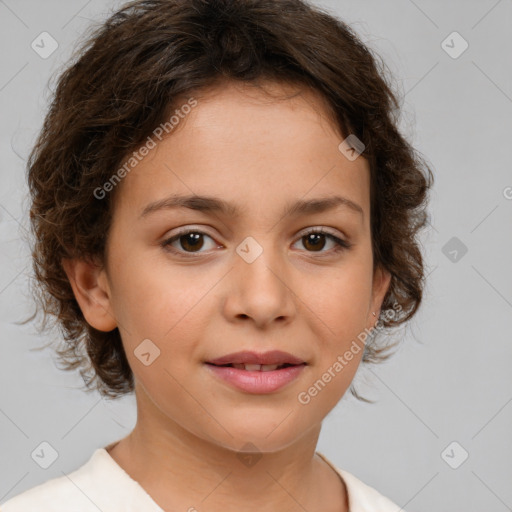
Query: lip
[
  {"x": 249, "y": 357},
  {"x": 257, "y": 382}
]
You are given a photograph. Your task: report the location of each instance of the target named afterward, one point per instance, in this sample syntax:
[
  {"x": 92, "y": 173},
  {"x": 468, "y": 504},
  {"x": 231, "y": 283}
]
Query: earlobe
[
  {"x": 381, "y": 282},
  {"x": 91, "y": 292}
]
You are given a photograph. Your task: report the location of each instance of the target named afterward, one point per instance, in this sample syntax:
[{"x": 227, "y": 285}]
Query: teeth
[
  {"x": 256, "y": 367},
  {"x": 252, "y": 367}
]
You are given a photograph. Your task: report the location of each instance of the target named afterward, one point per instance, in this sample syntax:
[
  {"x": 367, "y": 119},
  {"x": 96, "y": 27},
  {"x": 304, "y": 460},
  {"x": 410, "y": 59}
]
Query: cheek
[
  {"x": 340, "y": 336},
  {"x": 340, "y": 299},
  {"x": 169, "y": 306},
  {"x": 149, "y": 297},
  {"x": 337, "y": 313}
]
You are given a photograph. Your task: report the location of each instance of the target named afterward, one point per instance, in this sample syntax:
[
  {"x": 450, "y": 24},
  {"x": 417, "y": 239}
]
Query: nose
[{"x": 260, "y": 291}]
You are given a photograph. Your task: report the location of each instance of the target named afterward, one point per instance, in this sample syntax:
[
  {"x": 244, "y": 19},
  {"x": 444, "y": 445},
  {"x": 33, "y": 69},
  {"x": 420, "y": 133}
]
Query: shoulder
[
  {"x": 362, "y": 497},
  {"x": 84, "y": 488},
  {"x": 46, "y": 496}
]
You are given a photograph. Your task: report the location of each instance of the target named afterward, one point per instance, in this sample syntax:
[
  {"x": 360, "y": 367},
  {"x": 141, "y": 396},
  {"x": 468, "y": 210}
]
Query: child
[{"x": 225, "y": 215}]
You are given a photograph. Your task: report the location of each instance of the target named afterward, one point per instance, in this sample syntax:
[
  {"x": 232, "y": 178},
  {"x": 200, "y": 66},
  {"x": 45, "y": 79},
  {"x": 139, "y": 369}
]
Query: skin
[{"x": 240, "y": 145}]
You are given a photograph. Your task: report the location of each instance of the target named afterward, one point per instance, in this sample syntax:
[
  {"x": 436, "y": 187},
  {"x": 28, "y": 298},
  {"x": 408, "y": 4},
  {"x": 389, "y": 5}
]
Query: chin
[{"x": 260, "y": 437}]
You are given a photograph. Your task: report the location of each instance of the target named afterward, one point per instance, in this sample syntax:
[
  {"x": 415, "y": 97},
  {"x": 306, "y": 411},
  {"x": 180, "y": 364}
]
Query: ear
[
  {"x": 90, "y": 286},
  {"x": 381, "y": 281}
]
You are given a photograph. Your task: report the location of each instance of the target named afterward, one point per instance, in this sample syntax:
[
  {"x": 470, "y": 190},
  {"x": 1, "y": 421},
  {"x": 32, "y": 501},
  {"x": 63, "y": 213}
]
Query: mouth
[
  {"x": 256, "y": 367},
  {"x": 256, "y": 361},
  {"x": 256, "y": 372},
  {"x": 257, "y": 378}
]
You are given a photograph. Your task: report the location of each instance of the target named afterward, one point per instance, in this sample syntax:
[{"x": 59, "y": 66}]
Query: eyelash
[{"x": 341, "y": 245}]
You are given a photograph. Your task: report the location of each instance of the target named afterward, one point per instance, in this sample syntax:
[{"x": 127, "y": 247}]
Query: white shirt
[{"x": 102, "y": 485}]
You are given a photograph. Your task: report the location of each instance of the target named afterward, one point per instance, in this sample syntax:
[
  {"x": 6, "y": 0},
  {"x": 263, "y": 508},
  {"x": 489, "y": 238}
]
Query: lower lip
[{"x": 257, "y": 381}]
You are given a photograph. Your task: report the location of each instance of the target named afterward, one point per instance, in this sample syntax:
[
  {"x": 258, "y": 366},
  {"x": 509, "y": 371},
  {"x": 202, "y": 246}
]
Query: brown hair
[{"x": 126, "y": 78}]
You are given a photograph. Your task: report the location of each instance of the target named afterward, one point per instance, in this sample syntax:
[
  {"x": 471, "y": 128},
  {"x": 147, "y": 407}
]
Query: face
[{"x": 258, "y": 280}]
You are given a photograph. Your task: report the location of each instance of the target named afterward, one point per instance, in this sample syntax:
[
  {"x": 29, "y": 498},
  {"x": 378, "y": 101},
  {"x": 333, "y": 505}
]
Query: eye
[
  {"x": 191, "y": 241},
  {"x": 315, "y": 239}
]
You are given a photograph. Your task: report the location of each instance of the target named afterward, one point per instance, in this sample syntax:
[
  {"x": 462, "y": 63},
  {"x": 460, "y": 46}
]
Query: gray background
[{"x": 450, "y": 380}]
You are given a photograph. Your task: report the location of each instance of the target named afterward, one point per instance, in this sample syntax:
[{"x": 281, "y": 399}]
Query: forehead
[
  {"x": 265, "y": 108},
  {"x": 251, "y": 146}
]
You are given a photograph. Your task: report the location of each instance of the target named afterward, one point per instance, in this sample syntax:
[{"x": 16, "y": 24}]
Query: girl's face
[{"x": 250, "y": 280}]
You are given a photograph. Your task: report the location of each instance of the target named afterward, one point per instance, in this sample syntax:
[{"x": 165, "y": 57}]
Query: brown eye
[
  {"x": 191, "y": 241},
  {"x": 314, "y": 241}
]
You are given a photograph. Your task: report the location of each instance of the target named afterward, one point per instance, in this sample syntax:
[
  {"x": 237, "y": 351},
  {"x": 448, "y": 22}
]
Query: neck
[{"x": 182, "y": 471}]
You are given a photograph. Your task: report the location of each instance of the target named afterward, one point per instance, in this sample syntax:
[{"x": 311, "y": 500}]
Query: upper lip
[{"x": 247, "y": 357}]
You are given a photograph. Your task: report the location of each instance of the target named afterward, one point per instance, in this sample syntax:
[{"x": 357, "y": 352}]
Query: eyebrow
[{"x": 209, "y": 204}]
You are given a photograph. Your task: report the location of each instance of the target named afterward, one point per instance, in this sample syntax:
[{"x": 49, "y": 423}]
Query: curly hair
[{"x": 127, "y": 76}]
